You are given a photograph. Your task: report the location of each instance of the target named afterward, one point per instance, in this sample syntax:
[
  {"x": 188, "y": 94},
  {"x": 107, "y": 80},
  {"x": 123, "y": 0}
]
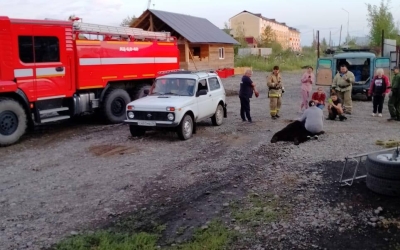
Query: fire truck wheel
[
  {"x": 13, "y": 122},
  {"x": 115, "y": 105}
]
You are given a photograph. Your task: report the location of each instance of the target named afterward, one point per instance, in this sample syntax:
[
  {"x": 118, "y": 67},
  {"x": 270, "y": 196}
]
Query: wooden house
[{"x": 202, "y": 45}]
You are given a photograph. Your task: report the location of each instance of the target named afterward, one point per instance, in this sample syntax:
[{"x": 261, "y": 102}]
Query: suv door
[
  {"x": 324, "y": 75},
  {"x": 204, "y": 102},
  {"x": 215, "y": 90}
]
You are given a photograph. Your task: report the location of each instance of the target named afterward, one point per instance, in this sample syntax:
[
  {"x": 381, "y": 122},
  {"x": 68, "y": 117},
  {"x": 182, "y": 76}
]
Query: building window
[
  {"x": 39, "y": 49},
  {"x": 221, "y": 52}
]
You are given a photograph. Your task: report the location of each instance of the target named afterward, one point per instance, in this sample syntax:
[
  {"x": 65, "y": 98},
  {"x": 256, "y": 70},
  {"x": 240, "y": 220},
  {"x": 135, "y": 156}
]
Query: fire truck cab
[{"x": 53, "y": 70}]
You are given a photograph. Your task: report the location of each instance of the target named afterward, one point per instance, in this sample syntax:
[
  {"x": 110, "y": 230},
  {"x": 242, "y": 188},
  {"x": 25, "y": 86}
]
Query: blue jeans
[{"x": 320, "y": 106}]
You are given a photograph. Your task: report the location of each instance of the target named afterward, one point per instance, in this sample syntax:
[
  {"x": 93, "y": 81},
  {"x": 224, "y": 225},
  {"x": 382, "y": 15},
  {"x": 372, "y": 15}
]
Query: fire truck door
[{"x": 51, "y": 62}]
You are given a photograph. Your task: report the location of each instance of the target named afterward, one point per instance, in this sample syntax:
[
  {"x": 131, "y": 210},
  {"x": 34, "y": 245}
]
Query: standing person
[
  {"x": 319, "y": 98},
  {"x": 343, "y": 84},
  {"x": 335, "y": 108},
  {"x": 274, "y": 84},
  {"x": 247, "y": 87},
  {"x": 394, "y": 97},
  {"x": 307, "y": 80},
  {"x": 378, "y": 89}
]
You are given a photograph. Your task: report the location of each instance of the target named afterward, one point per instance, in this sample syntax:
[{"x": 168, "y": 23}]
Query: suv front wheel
[{"x": 185, "y": 128}]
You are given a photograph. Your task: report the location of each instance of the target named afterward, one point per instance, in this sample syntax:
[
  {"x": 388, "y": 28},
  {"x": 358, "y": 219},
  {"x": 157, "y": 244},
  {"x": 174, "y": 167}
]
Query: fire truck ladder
[{"x": 136, "y": 33}]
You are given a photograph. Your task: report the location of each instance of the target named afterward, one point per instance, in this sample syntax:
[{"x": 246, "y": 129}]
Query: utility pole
[
  {"x": 382, "y": 42},
  {"x": 348, "y": 22},
  {"x": 317, "y": 43},
  {"x": 340, "y": 36},
  {"x": 330, "y": 37}
]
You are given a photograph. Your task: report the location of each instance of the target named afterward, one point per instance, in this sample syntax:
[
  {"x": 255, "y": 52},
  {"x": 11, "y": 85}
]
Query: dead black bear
[{"x": 295, "y": 132}]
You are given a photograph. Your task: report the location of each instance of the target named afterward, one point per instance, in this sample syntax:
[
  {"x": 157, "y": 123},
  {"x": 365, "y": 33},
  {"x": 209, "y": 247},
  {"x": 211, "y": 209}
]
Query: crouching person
[
  {"x": 313, "y": 119},
  {"x": 335, "y": 108}
]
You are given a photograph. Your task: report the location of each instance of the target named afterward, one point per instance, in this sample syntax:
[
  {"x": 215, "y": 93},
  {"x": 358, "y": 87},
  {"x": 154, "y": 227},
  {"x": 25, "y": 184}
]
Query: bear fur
[{"x": 294, "y": 132}]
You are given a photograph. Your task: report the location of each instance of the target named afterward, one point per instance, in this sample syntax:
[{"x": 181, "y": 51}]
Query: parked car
[
  {"x": 177, "y": 101},
  {"x": 360, "y": 62}
]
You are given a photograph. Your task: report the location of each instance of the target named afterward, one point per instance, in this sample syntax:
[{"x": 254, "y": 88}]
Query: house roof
[
  {"x": 266, "y": 19},
  {"x": 194, "y": 29}
]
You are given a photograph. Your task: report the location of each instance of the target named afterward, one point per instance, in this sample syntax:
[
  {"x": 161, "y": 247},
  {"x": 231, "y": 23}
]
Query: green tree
[
  {"x": 227, "y": 29},
  {"x": 380, "y": 18},
  {"x": 268, "y": 37},
  {"x": 240, "y": 36},
  {"x": 128, "y": 21}
]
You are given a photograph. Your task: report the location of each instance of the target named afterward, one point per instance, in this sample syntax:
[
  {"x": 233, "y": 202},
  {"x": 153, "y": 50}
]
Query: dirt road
[{"x": 75, "y": 176}]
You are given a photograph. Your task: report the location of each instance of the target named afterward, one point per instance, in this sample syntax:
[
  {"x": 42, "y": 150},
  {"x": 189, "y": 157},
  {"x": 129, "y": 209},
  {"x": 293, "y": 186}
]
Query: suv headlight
[
  {"x": 170, "y": 116},
  {"x": 131, "y": 115}
]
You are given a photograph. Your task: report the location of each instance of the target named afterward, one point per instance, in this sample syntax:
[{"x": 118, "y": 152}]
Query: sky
[{"x": 324, "y": 15}]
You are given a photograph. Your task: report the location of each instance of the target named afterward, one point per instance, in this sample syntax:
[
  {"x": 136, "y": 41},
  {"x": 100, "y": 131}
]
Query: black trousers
[
  {"x": 377, "y": 103},
  {"x": 245, "y": 108}
]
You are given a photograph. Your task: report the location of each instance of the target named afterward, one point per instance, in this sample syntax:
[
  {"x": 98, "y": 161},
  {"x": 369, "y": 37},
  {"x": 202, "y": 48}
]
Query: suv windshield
[{"x": 174, "y": 86}]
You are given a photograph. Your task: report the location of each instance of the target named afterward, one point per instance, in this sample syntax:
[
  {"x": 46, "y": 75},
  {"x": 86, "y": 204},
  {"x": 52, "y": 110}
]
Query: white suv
[{"x": 178, "y": 100}]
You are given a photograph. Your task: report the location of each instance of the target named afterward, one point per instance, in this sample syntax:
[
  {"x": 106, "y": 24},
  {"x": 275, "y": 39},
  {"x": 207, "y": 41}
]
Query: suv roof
[
  {"x": 188, "y": 74},
  {"x": 354, "y": 55}
]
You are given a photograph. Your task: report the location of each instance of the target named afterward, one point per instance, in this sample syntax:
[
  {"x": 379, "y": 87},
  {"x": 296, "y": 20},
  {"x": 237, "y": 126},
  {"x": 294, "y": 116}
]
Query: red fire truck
[{"x": 53, "y": 70}]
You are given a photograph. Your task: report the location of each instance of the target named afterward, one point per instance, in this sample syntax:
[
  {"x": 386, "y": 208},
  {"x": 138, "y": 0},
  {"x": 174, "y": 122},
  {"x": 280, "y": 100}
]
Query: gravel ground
[{"x": 70, "y": 177}]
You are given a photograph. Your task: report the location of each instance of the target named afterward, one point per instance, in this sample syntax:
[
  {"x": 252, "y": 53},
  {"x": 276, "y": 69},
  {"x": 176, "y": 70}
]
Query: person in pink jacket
[
  {"x": 379, "y": 88},
  {"x": 307, "y": 80}
]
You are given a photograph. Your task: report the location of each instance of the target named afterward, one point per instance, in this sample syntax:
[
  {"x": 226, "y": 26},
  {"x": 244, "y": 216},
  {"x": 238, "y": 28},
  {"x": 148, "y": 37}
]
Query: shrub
[{"x": 286, "y": 60}]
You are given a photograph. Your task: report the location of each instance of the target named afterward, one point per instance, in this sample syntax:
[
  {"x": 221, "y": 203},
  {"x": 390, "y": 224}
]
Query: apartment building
[{"x": 253, "y": 25}]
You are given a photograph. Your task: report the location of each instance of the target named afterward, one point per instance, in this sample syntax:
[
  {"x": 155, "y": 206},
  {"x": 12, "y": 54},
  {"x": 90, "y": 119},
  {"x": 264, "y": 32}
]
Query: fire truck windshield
[{"x": 174, "y": 86}]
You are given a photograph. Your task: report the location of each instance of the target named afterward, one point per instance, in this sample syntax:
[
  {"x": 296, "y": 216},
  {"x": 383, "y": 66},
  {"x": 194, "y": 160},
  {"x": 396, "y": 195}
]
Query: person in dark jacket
[
  {"x": 380, "y": 86},
  {"x": 247, "y": 87},
  {"x": 394, "y": 96}
]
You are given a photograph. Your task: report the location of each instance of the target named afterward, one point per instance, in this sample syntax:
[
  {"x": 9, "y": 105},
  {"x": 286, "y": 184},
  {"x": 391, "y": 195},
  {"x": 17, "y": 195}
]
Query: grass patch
[
  {"x": 287, "y": 61},
  {"x": 106, "y": 240},
  {"x": 215, "y": 237},
  {"x": 259, "y": 210}
]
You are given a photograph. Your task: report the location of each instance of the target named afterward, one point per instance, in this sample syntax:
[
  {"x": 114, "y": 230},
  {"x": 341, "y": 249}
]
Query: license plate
[{"x": 147, "y": 123}]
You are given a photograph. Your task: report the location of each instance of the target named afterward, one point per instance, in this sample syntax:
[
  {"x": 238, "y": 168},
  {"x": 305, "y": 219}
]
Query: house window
[
  {"x": 221, "y": 52},
  {"x": 196, "y": 51},
  {"x": 38, "y": 49}
]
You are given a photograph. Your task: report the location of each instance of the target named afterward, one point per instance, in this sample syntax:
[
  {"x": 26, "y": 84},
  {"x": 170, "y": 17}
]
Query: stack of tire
[{"x": 383, "y": 176}]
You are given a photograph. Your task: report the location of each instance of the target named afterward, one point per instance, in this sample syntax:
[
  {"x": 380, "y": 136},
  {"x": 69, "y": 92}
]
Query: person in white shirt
[{"x": 313, "y": 119}]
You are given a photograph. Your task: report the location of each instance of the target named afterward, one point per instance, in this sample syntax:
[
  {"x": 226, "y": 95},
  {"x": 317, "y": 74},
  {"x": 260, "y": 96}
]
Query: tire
[
  {"x": 185, "y": 128},
  {"x": 137, "y": 131},
  {"x": 139, "y": 91},
  {"x": 218, "y": 117},
  {"x": 383, "y": 169},
  {"x": 13, "y": 121},
  {"x": 115, "y": 105},
  {"x": 383, "y": 186}
]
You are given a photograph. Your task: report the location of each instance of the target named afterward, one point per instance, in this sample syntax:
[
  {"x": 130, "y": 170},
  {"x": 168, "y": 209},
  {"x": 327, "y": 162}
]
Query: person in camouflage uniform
[
  {"x": 343, "y": 85},
  {"x": 275, "y": 89},
  {"x": 394, "y": 97}
]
